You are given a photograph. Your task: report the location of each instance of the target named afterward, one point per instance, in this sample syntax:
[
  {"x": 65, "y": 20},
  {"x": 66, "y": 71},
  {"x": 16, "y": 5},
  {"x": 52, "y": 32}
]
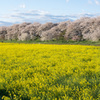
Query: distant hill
[
  {"x": 3, "y": 23},
  {"x": 47, "y": 18}
]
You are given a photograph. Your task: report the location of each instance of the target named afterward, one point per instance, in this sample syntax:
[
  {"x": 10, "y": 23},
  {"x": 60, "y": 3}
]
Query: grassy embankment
[{"x": 95, "y": 43}]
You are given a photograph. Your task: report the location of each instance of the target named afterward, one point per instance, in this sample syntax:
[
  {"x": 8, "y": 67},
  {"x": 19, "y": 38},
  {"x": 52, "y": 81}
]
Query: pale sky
[{"x": 23, "y": 10}]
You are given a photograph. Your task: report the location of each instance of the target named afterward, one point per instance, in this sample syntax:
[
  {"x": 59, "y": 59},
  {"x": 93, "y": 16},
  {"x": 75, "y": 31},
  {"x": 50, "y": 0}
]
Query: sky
[{"x": 23, "y": 10}]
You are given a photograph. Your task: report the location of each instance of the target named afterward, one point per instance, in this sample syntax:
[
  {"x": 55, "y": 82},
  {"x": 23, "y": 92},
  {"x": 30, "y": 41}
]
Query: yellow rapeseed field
[{"x": 50, "y": 72}]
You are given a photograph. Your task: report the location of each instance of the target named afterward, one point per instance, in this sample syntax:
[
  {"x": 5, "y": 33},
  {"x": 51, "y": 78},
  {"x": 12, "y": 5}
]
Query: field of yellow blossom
[{"x": 50, "y": 72}]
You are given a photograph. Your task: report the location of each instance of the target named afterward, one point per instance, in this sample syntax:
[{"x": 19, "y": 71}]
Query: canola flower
[{"x": 50, "y": 72}]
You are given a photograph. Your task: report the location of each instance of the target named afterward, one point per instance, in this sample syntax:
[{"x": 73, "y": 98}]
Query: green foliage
[{"x": 60, "y": 41}]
